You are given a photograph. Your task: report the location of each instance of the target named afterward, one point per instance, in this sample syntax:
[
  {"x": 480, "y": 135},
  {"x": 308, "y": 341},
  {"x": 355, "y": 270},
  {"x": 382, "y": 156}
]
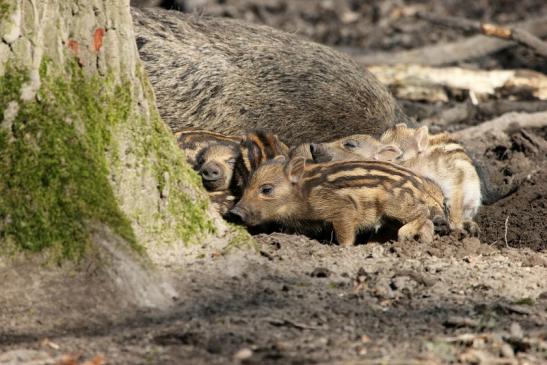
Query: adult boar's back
[{"x": 229, "y": 76}]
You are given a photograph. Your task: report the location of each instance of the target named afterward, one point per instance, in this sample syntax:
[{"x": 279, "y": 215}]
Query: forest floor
[{"x": 296, "y": 300}]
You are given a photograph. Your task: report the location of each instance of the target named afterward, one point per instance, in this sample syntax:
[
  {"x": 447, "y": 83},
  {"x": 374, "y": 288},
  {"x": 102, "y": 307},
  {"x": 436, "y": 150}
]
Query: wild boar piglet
[
  {"x": 442, "y": 159},
  {"x": 255, "y": 148},
  {"x": 222, "y": 201},
  {"x": 215, "y": 165},
  {"x": 437, "y": 157},
  {"x": 193, "y": 141},
  {"x": 349, "y": 195},
  {"x": 213, "y": 156},
  {"x": 354, "y": 148},
  {"x": 302, "y": 150}
]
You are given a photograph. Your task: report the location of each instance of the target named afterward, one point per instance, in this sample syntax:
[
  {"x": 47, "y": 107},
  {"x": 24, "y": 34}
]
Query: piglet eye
[
  {"x": 350, "y": 143},
  {"x": 266, "y": 189},
  {"x": 231, "y": 161}
]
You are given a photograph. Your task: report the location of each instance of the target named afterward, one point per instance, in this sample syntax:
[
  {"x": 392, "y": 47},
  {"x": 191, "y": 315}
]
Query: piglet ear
[
  {"x": 401, "y": 125},
  {"x": 422, "y": 138},
  {"x": 280, "y": 158},
  {"x": 279, "y": 145},
  {"x": 389, "y": 152},
  {"x": 295, "y": 169}
]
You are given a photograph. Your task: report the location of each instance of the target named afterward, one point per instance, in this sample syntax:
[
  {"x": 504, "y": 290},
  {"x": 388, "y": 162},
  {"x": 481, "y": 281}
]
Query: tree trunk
[{"x": 89, "y": 173}]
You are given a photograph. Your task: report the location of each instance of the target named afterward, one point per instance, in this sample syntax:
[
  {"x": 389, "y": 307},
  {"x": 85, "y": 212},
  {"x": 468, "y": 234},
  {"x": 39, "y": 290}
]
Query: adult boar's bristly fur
[
  {"x": 230, "y": 76},
  {"x": 349, "y": 195}
]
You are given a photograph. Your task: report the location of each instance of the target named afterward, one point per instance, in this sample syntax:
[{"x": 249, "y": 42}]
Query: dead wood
[
  {"x": 416, "y": 82},
  {"x": 459, "y": 113},
  {"x": 447, "y": 53},
  {"x": 498, "y": 107},
  {"x": 500, "y": 124},
  {"x": 509, "y": 33},
  {"x": 462, "y": 112}
]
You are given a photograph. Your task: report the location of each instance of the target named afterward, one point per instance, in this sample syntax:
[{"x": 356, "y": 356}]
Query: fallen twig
[
  {"x": 500, "y": 124},
  {"x": 513, "y": 308},
  {"x": 505, "y": 235},
  {"x": 417, "y": 82},
  {"x": 456, "y": 321},
  {"x": 510, "y": 33},
  {"x": 446, "y": 53},
  {"x": 288, "y": 322}
]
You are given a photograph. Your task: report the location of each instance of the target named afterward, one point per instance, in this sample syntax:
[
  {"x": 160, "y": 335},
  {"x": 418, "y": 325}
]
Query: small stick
[
  {"x": 285, "y": 322},
  {"x": 516, "y": 34},
  {"x": 492, "y": 30},
  {"x": 506, "y": 224}
]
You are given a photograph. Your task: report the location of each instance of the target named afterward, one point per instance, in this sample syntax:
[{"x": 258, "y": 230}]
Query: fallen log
[{"x": 415, "y": 82}]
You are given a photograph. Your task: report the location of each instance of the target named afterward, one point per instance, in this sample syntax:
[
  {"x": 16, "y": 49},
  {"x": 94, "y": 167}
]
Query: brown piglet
[
  {"x": 437, "y": 157},
  {"x": 349, "y": 195}
]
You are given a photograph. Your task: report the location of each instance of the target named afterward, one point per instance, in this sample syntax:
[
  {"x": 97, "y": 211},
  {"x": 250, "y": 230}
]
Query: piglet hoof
[
  {"x": 347, "y": 244},
  {"x": 471, "y": 228},
  {"x": 441, "y": 226},
  {"x": 426, "y": 232},
  {"x": 410, "y": 233},
  {"x": 408, "y": 237},
  {"x": 405, "y": 235}
]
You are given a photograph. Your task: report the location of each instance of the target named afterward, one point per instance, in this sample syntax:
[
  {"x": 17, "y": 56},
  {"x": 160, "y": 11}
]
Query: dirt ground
[{"x": 301, "y": 301}]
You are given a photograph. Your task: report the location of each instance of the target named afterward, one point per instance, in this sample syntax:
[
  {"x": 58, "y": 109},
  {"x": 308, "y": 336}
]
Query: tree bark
[{"x": 87, "y": 167}]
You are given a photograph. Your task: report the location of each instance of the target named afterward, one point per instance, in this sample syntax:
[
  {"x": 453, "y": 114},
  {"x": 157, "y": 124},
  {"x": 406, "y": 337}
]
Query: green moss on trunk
[
  {"x": 187, "y": 201},
  {"x": 53, "y": 171},
  {"x": 60, "y": 155},
  {"x": 5, "y": 9}
]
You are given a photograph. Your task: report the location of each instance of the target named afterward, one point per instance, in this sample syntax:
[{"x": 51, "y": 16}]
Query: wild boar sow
[{"x": 229, "y": 76}]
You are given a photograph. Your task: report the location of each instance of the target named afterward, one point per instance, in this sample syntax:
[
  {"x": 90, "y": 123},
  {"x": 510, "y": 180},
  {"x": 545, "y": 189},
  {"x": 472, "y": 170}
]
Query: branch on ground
[
  {"x": 414, "y": 82},
  {"x": 447, "y": 53},
  {"x": 462, "y": 112},
  {"x": 509, "y": 33},
  {"x": 500, "y": 124}
]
